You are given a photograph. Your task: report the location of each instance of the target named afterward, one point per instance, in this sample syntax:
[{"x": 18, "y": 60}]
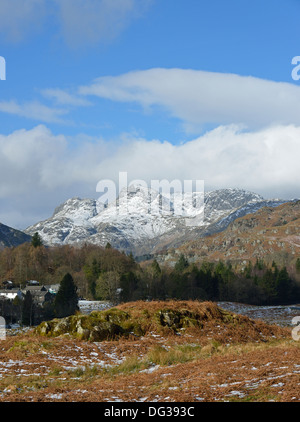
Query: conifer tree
[
  {"x": 298, "y": 265},
  {"x": 181, "y": 264},
  {"x": 284, "y": 286},
  {"x": 28, "y": 309},
  {"x": 36, "y": 240},
  {"x": 156, "y": 268},
  {"x": 66, "y": 300}
]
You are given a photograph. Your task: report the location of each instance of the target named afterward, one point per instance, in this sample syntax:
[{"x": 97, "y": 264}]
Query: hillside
[
  {"x": 12, "y": 237},
  {"x": 271, "y": 233},
  {"x": 187, "y": 352}
]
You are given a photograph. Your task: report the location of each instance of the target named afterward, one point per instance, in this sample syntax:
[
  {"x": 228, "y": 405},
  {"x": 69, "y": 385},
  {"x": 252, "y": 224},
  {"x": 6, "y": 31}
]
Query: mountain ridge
[
  {"x": 270, "y": 233},
  {"x": 78, "y": 221}
]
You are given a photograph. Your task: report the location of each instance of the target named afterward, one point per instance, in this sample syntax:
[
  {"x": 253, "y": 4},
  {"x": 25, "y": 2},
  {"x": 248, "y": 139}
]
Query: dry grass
[
  {"x": 224, "y": 359},
  {"x": 205, "y": 310}
]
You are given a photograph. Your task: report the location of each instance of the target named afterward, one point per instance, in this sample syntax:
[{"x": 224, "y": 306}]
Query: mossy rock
[
  {"x": 229, "y": 317},
  {"x": 176, "y": 320},
  {"x": 44, "y": 329},
  {"x": 113, "y": 315},
  {"x": 98, "y": 326},
  {"x": 106, "y": 331},
  {"x": 115, "y": 323}
]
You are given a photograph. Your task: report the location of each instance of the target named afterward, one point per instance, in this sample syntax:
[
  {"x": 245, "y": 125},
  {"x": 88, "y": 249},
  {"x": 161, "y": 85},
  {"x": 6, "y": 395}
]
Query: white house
[{"x": 11, "y": 293}]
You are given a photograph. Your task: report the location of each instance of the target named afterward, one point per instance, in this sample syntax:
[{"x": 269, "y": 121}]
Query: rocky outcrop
[
  {"x": 272, "y": 233},
  {"x": 97, "y": 326},
  {"x": 115, "y": 322},
  {"x": 162, "y": 318}
]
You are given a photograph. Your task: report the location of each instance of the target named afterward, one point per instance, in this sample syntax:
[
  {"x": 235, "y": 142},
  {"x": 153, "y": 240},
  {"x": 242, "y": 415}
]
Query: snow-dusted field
[
  {"x": 87, "y": 306},
  {"x": 281, "y": 315}
]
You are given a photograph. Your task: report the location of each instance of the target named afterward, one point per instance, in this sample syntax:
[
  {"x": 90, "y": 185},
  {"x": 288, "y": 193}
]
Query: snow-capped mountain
[
  {"x": 131, "y": 223},
  {"x": 145, "y": 221}
]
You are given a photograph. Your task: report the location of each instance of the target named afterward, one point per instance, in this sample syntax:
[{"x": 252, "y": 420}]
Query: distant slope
[
  {"x": 12, "y": 237},
  {"x": 215, "y": 221},
  {"x": 271, "y": 233}
]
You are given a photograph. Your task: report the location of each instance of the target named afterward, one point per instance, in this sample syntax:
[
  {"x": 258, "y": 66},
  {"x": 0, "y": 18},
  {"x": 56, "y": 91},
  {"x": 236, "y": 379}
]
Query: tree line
[
  {"x": 257, "y": 283},
  {"x": 104, "y": 273}
]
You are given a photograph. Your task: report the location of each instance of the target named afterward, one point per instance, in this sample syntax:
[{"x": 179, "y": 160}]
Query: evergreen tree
[
  {"x": 28, "y": 309},
  {"x": 36, "y": 240},
  {"x": 128, "y": 285},
  {"x": 92, "y": 272},
  {"x": 181, "y": 264},
  {"x": 259, "y": 265},
  {"x": 298, "y": 265},
  {"x": 284, "y": 286},
  {"x": 248, "y": 270},
  {"x": 131, "y": 258},
  {"x": 66, "y": 299},
  {"x": 156, "y": 268},
  {"x": 267, "y": 282}
]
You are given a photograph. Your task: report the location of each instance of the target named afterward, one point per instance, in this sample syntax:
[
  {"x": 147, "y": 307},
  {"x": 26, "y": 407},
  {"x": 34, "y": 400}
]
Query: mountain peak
[
  {"x": 145, "y": 220},
  {"x": 72, "y": 205}
]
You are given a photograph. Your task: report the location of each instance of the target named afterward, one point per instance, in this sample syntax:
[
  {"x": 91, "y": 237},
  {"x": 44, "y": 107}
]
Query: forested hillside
[{"x": 107, "y": 274}]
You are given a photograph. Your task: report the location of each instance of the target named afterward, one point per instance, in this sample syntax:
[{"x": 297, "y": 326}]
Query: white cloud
[
  {"x": 81, "y": 22},
  {"x": 265, "y": 161},
  {"x": 39, "y": 170},
  {"x": 18, "y": 18},
  {"x": 36, "y": 159},
  {"x": 34, "y": 110},
  {"x": 198, "y": 97},
  {"x": 64, "y": 98},
  {"x": 93, "y": 21}
]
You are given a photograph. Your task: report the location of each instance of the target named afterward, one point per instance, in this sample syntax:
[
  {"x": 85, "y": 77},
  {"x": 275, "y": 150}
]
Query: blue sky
[{"x": 186, "y": 89}]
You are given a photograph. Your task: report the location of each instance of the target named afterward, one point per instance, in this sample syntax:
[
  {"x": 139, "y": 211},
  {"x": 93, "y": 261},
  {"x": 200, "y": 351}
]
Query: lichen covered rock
[
  {"x": 97, "y": 326},
  {"x": 137, "y": 319}
]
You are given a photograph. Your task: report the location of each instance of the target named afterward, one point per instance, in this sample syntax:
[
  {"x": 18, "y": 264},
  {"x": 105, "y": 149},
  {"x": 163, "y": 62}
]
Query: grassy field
[{"x": 183, "y": 352}]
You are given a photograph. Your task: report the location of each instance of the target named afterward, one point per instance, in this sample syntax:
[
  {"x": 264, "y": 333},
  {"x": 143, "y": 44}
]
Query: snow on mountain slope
[
  {"x": 145, "y": 220},
  {"x": 223, "y": 201}
]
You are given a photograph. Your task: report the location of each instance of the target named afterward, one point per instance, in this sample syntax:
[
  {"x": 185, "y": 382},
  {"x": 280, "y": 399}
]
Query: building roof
[
  {"x": 34, "y": 288},
  {"x": 8, "y": 291}
]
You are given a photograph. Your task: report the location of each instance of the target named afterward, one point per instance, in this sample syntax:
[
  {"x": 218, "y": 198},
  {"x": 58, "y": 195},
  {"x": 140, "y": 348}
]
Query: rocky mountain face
[
  {"x": 146, "y": 221},
  {"x": 12, "y": 237},
  {"x": 271, "y": 233}
]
